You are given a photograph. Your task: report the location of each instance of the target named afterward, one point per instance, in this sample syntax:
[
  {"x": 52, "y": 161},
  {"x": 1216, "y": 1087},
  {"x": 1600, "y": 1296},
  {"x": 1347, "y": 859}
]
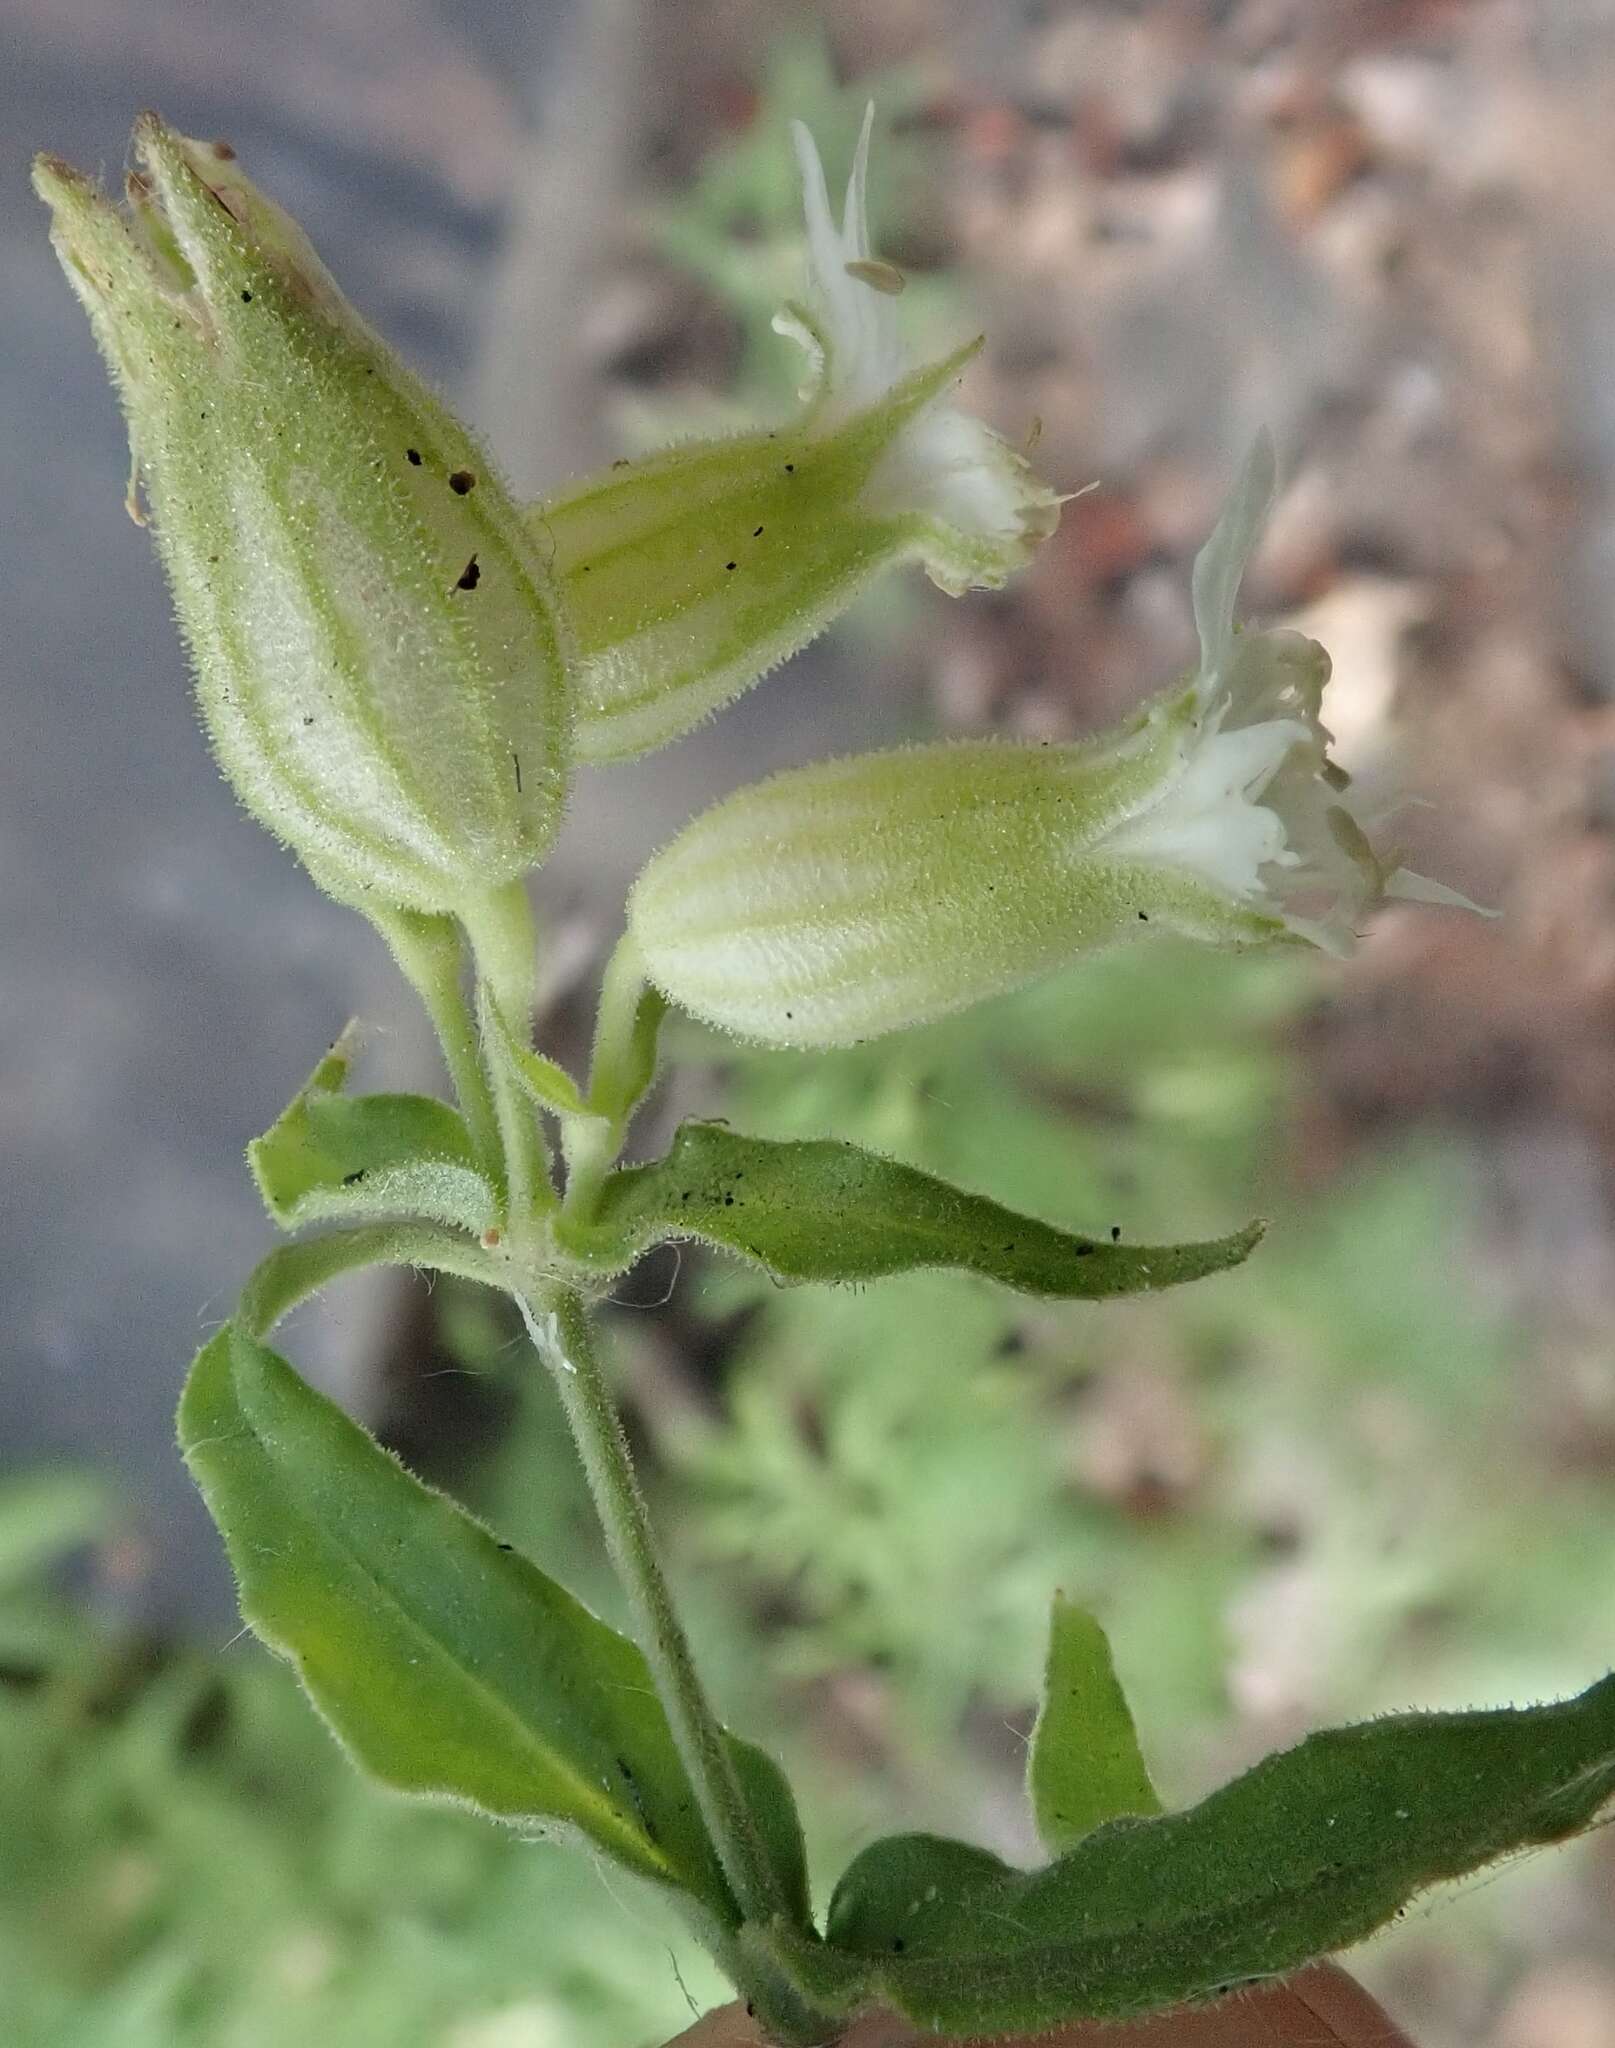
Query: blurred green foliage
[{"x": 186, "y": 1857}]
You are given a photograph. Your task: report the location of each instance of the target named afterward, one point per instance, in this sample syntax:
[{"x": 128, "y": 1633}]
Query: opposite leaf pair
[{"x": 803, "y": 1210}]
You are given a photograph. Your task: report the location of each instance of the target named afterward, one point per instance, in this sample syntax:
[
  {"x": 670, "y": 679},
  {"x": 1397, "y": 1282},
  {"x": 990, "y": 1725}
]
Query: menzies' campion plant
[{"x": 397, "y": 668}]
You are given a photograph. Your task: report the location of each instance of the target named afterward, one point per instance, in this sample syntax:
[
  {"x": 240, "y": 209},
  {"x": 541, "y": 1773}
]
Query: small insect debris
[{"x": 882, "y": 277}]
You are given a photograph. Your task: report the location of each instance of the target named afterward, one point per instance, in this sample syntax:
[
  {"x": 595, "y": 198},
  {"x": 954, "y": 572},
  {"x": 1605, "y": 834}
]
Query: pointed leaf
[
  {"x": 1309, "y": 1852},
  {"x": 448, "y": 1665},
  {"x": 332, "y": 1157},
  {"x": 822, "y": 1210},
  {"x": 1085, "y": 1766},
  {"x": 547, "y": 1083}
]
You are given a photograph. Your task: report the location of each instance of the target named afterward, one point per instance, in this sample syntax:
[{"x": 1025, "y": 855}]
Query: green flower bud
[
  {"x": 373, "y": 628},
  {"x": 835, "y": 902},
  {"x": 689, "y": 575}
]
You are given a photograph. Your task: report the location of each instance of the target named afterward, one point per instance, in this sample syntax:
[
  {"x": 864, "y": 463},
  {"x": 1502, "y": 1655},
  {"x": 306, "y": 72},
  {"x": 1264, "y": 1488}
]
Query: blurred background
[{"x": 1376, "y": 1468}]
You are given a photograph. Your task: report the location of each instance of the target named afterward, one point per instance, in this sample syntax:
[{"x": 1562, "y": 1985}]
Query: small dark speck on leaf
[
  {"x": 413, "y": 456},
  {"x": 756, "y": 532},
  {"x": 507, "y": 1546},
  {"x": 308, "y": 718},
  {"x": 621, "y": 462},
  {"x": 729, "y": 565},
  {"x": 246, "y": 298},
  {"x": 352, "y": 1179},
  {"x": 518, "y": 761},
  {"x": 1143, "y": 917},
  {"x": 898, "y": 1944},
  {"x": 462, "y": 481},
  {"x": 470, "y": 576},
  {"x": 1115, "y": 1233},
  {"x": 1084, "y": 1251},
  {"x": 790, "y": 469}
]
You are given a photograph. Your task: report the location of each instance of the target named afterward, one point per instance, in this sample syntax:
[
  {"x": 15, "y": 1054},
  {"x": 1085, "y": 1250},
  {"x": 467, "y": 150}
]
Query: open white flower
[{"x": 1256, "y": 809}]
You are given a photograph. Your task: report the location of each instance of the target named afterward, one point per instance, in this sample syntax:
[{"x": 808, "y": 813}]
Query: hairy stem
[
  {"x": 623, "y": 1066},
  {"x": 431, "y": 955},
  {"x": 500, "y": 929},
  {"x": 559, "y": 1326},
  {"x": 623, "y": 1063}
]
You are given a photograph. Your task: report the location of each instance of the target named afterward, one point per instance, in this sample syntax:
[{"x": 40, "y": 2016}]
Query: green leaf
[
  {"x": 547, "y": 1083},
  {"x": 332, "y": 1157},
  {"x": 1309, "y": 1852},
  {"x": 816, "y": 1209},
  {"x": 1085, "y": 1766},
  {"x": 447, "y": 1664}
]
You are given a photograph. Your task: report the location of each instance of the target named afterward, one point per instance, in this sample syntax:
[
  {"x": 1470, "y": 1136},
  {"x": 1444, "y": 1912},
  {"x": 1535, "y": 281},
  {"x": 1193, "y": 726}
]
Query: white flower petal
[
  {"x": 1220, "y": 565},
  {"x": 1210, "y": 819},
  {"x": 859, "y": 324},
  {"x": 985, "y": 509},
  {"x": 1409, "y": 887},
  {"x": 1254, "y": 808}
]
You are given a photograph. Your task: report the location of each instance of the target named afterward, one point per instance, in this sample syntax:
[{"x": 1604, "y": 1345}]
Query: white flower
[
  {"x": 1256, "y": 809},
  {"x": 988, "y": 507},
  {"x": 690, "y": 574}
]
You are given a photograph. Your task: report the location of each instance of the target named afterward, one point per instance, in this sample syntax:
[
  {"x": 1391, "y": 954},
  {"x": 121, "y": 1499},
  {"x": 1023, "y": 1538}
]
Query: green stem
[
  {"x": 558, "y": 1324},
  {"x": 623, "y": 1062},
  {"x": 591, "y": 1145},
  {"x": 500, "y": 929},
  {"x": 431, "y": 955},
  {"x": 622, "y": 1067}
]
